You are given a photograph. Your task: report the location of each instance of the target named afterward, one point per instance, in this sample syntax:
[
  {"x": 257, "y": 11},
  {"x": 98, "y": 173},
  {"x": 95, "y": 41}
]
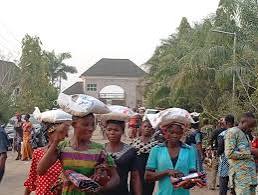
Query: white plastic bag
[
  {"x": 121, "y": 110},
  {"x": 52, "y": 116},
  {"x": 120, "y": 113},
  {"x": 170, "y": 115},
  {"x": 81, "y": 105}
]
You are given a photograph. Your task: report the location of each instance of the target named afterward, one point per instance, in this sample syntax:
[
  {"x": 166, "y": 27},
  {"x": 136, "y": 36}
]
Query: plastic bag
[
  {"x": 81, "y": 105},
  {"x": 52, "y": 116},
  {"x": 121, "y": 110},
  {"x": 119, "y": 113},
  {"x": 170, "y": 115}
]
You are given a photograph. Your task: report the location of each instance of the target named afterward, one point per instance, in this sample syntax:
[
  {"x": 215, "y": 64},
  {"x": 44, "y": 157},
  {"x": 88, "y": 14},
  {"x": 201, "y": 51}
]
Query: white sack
[
  {"x": 170, "y": 115},
  {"x": 81, "y": 105},
  {"x": 52, "y": 116},
  {"x": 120, "y": 113}
]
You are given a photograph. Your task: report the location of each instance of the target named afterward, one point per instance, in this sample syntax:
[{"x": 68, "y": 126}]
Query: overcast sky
[{"x": 93, "y": 29}]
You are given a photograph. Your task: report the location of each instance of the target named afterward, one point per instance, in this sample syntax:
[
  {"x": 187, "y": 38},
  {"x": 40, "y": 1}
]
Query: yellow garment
[{"x": 26, "y": 146}]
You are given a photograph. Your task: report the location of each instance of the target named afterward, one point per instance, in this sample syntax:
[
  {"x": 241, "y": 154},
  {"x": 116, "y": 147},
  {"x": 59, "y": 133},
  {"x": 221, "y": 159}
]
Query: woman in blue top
[{"x": 173, "y": 158}]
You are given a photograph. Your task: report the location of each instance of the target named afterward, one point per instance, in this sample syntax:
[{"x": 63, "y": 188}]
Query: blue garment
[
  {"x": 223, "y": 161},
  {"x": 3, "y": 141},
  {"x": 160, "y": 160},
  {"x": 198, "y": 140}
]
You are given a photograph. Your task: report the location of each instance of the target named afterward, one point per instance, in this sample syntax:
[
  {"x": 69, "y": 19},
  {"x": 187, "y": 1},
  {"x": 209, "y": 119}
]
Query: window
[{"x": 91, "y": 87}]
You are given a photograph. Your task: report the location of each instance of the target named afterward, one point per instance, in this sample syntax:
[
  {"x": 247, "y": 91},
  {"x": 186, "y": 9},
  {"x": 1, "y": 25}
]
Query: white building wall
[{"x": 128, "y": 84}]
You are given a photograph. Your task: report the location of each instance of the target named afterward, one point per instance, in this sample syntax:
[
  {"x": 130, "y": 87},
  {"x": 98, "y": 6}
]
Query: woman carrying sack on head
[
  {"x": 41, "y": 185},
  {"x": 173, "y": 159},
  {"x": 78, "y": 155},
  {"x": 125, "y": 159},
  {"x": 123, "y": 154}
]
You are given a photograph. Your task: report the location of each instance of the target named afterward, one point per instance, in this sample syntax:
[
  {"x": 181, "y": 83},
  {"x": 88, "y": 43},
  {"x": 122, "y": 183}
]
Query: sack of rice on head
[
  {"x": 171, "y": 115},
  {"x": 52, "y": 116},
  {"x": 52, "y": 119},
  {"x": 118, "y": 113},
  {"x": 81, "y": 105}
]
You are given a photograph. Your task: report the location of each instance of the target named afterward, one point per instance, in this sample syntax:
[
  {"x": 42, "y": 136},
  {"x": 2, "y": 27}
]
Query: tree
[
  {"x": 36, "y": 89},
  {"x": 57, "y": 68},
  {"x": 193, "y": 68}
]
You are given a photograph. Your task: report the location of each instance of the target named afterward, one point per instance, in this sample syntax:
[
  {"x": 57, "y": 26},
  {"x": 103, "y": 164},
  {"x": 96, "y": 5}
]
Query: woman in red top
[{"x": 42, "y": 184}]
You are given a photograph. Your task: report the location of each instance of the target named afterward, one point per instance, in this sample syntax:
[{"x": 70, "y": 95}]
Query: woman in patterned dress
[
  {"x": 125, "y": 159},
  {"x": 143, "y": 146},
  {"x": 42, "y": 184},
  {"x": 78, "y": 154},
  {"x": 26, "y": 145}
]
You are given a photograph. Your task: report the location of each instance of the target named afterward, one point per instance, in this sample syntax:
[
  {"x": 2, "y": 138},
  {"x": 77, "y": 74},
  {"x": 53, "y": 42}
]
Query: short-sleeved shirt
[
  {"x": 160, "y": 160},
  {"x": 3, "y": 141},
  {"x": 125, "y": 162},
  {"x": 242, "y": 168},
  {"x": 83, "y": 162}
]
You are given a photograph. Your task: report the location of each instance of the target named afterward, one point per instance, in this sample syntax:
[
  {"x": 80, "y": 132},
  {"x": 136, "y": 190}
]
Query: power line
[
  {"x": 9, "y": 32},
  {"x": 6, "y": 41},
  {"x": 11, "y": 51}
]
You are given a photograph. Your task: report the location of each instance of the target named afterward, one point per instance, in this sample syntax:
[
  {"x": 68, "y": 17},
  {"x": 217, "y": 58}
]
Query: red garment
[
  {"x": 42, "y": 184},
  {"x": 255, "y": 143}
]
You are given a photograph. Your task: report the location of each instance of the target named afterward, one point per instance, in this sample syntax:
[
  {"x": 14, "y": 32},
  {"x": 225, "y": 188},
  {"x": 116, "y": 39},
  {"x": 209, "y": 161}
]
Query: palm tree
[{"x": 57, "y": 68}]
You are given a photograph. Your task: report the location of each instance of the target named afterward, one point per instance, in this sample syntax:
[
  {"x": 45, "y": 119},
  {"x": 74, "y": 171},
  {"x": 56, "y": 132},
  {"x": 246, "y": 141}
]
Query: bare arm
[
  {"x": 152, "y": 176},
  {"x": 136, "y": 182},
  {"x": 48, "y": 159},
  {"x": 114, "y": 180},
  {"x": 26, "y": 192}
]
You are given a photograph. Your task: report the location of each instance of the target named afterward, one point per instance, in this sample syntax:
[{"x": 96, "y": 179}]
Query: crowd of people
[{"x": 134, "y": 167}]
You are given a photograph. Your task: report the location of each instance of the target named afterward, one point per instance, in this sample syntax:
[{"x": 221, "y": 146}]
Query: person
[
  {"x": 241, "y": 161},
  {"x": 78, "y": 154},
  {"x": 143, "y": 145},
  {"x": 26, "y": 142},
  {"x": 194, "y": 139},
  {"x": 42, "y": 184},
  {"x": 223, "y": 168},
  {"x": 18, "y": 135},
  {"x": 3, "y": 151},
  {"x": 213, "y": 143},
  {"x": 134, "y": 124},
  {"x": 206, "y": 130},
  {"x": 173, "y": 158},
  {"x": 125, "y": 159},
  {"x": 255, "y": 146}
]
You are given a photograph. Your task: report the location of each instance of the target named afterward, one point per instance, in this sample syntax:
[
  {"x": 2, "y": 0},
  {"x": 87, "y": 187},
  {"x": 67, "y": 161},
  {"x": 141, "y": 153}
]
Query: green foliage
[
  {"x": 194, "y": 67},
  {"x": 57, "y": 68},
  {"x": 36, "y": 89}
]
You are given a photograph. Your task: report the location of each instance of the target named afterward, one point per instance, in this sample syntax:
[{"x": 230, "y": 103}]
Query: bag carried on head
[
  {"x": 119, "y": 113},
  {"x": 81, "y": 105},
  {"x": 170, "y": 115},
  {"x": 52, "y": 116}
]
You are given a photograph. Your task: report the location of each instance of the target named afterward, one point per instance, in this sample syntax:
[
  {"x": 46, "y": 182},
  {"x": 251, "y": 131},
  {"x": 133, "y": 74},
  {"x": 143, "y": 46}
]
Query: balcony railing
[{"x": 112, "y": 95}]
